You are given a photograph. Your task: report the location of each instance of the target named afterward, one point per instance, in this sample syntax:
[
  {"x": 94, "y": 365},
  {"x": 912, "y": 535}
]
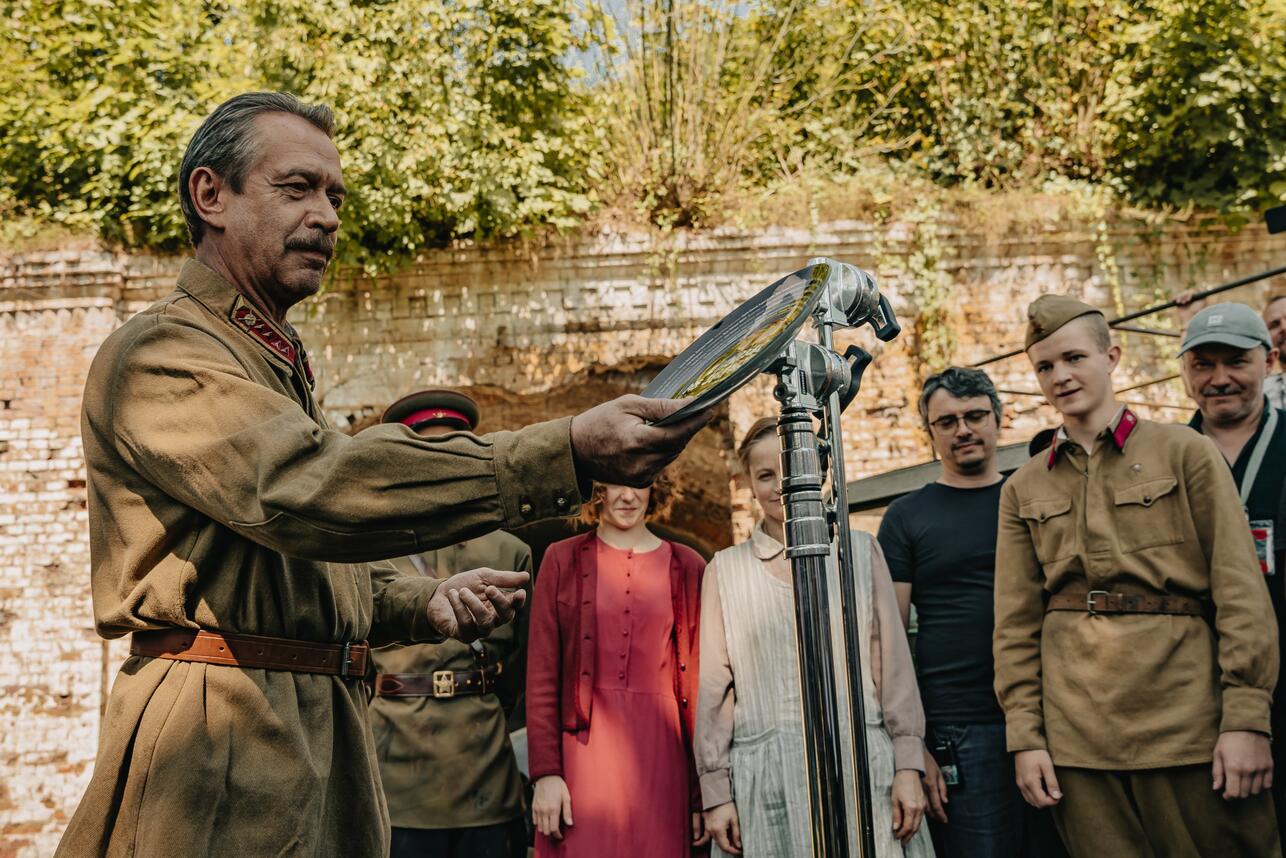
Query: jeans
[{"x": 986, "y": 815}]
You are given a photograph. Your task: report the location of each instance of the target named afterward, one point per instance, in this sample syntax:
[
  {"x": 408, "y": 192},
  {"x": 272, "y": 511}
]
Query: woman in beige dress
[{"x": 749, "y": 730}]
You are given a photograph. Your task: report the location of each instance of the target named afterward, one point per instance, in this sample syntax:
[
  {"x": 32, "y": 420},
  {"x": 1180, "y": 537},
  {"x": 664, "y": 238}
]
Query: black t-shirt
[
  {"x": 942, "y": 541},
  {"x": 1267, "y": 502}
]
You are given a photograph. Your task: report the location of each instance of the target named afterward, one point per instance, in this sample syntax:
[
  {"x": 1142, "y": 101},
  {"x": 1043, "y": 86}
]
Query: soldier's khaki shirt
[
  {"x": 1149, "y": 510},
  {"x": 447, "y": 762},
  {"x": 220, "y": 499}
]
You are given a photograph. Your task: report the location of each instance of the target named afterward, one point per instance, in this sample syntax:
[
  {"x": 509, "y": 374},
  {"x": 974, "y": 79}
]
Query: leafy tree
[
  {"x": 455, "y": 118},
  {"x": 1196, "y": 111}
]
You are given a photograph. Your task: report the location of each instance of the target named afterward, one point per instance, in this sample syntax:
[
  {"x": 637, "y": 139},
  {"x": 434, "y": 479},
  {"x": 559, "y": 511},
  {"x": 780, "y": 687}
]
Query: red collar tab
[
  {"x": 1121, "y": 432},
  {"x": 1124, "y": 428},
  {"x": 257, "y": 326},
  {"x": 435, "y": 415}
]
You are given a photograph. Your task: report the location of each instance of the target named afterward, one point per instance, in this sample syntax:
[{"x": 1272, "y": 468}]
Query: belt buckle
[
  {"x": 1089, "y": 599},
  {"x": 345, "y": 659},
  {"x": 444, "y": 683}
]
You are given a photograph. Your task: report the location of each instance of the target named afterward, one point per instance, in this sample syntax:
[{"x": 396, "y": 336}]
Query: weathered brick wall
[{"x": 532, "y": 334}]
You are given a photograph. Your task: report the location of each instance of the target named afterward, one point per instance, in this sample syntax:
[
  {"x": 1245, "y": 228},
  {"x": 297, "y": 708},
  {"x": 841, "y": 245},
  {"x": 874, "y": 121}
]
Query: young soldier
[
  {"x": 1135, "y": 645},
  {"x": 442, "y": 707},
  {"x": 1226, "y": 355}
]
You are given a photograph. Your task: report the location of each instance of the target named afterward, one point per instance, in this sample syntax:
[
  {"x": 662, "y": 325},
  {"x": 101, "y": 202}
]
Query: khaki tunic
[
  {"x": 219, "y": 499},
  {"x": 447, "y": 763},
  {"x": 1151, "y": 511}
]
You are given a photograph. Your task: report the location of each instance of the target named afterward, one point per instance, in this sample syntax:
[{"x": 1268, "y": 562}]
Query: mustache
[
  {"x": 1222, "y": 390},
  {"x": 318, "y": 243}
]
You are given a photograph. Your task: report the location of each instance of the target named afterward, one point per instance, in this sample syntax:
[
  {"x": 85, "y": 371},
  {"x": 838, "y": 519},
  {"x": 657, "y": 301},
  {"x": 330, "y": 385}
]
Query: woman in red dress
[{"x": 612, "y": 686}]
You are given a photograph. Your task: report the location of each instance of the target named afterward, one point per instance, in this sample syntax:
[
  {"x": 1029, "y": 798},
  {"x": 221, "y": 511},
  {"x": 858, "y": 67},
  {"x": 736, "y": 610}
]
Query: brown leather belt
[
  {"x": 256, "y": 651},
  {"x": 1108, "y": 602},
  {"x": 440, "y": 683}
]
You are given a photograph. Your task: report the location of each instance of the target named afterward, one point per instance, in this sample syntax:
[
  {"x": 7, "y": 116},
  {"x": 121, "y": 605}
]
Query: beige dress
[{"x": 749, "y": 735}]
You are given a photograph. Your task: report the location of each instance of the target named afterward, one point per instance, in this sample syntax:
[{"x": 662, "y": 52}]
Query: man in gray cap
[{"x": 1226, "y": 356}]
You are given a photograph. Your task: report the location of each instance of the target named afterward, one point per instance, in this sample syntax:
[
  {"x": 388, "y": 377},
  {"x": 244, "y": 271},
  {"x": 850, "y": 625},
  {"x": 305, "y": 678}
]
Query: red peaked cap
[{"x": 435, "y": 406}]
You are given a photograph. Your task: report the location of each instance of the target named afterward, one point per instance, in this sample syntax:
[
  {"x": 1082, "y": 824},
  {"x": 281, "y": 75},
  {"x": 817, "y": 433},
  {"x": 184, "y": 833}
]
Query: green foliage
[
  {"x": 1172, "y": 102},
  {"x": 455, "y": 118},
  {"x": 477, "y": 118},
  {"x": 1196, "y": 111}
]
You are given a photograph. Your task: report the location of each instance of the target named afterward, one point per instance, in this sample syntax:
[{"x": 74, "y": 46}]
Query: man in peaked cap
[
  {"x": 441, "y": 708},
  {"x": 234, "y": 533},
  {"x": 1135, "y": 646},
  {"x": 1226, "y": 356}
]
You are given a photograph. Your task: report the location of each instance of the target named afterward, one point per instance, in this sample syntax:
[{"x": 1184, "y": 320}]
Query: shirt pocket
[
  {"x": 1147, "y": 514},
  {"x": 1052, "y": 527}
]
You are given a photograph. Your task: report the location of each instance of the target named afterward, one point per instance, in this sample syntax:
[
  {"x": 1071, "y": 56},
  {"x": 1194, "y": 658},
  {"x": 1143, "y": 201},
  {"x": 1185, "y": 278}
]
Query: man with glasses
[{"x": 940, "y": 542}]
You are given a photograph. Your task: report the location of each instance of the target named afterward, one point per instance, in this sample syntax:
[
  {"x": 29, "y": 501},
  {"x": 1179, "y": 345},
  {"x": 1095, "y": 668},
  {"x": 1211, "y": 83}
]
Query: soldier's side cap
[
  {"x": 1048, "y": 313},
  {"x": 437, "y": 406},
  {"x": 1226, "y": 324}
]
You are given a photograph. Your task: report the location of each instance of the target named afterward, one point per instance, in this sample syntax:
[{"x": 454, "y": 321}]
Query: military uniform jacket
[
  {"x": 220, "y": 499},
  {"x": 447, "y": 762},
  {"x": 1152, "y": 509}
]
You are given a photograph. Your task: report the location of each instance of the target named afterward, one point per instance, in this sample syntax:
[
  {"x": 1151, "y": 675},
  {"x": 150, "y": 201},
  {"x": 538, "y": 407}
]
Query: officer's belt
[
  {"x": 253, "y": 651},
  {"x": 1111, "y": 602},
  {"x": 440, "y": 683}
]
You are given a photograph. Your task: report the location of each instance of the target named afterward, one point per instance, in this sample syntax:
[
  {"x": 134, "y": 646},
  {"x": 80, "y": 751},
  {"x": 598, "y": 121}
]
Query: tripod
[{"x": 813, "y": 381}]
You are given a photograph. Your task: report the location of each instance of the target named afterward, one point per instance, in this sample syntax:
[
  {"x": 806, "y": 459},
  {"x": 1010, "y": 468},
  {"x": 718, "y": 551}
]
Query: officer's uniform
[
  {"x": 1132, "y": 627},
  {"x": 221, "y": 501},
  {"x": 439, "y": 711}
]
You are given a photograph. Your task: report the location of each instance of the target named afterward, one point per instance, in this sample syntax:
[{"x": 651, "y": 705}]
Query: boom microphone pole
[{"x": 813, "y": 383}]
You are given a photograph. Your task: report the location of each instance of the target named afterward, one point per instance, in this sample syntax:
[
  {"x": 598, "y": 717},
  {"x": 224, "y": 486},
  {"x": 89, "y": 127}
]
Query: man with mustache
[
  {"x": 1226, "y": 356},
  {"x": 1274, "y": 316},
  {"x": 1135, "y": 647},
  {"x": 232, "y": 529}
]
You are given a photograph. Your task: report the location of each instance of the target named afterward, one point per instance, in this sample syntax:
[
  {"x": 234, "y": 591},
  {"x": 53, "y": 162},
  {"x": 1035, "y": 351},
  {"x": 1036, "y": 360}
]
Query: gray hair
[
  {"x": 962, "y": 383},
  {"x": 226, "y": 144}
]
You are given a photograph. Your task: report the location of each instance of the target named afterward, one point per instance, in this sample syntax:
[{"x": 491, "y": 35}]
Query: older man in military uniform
[
  {"x": 442, "y": 707},
  {"x": 1135, "y": 644},
  {"x": 231, "y": 527}
]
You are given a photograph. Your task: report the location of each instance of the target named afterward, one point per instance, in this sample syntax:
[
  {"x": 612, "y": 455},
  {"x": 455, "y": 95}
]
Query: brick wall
[{"x": 533, "y": 334}]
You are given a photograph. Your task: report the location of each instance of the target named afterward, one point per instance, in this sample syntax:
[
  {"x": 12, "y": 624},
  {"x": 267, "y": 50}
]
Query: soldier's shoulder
[
  {"x": 1180, "y": 433},
  {"x": 1030, "y": 470},
  {"x": 161, "y": 323}
]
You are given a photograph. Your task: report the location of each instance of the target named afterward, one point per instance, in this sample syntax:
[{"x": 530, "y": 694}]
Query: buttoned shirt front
[{"x": 1152, "y": 509}]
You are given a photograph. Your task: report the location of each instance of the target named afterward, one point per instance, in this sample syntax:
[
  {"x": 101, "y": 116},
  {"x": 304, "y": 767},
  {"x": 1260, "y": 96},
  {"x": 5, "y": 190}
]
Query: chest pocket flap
[
  {"x": 1146, "y": 493},
  {"x": 1053, "y": 531},
  {"x": 1044, "y": 510}
]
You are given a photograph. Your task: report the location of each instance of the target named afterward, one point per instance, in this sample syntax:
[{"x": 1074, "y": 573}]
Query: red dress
[{"x": 628, "y": 773}]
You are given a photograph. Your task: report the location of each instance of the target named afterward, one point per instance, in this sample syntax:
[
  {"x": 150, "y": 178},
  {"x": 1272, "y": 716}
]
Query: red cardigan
[{"x": 560, "y": 648}]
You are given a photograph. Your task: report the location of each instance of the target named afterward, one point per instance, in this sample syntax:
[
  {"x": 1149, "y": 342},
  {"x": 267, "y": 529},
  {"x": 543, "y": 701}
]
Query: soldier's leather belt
[
  {"x": 440, "y": 683},
  {"x": 255, "y": 651},
  {"x": 1109, "y": 602}
]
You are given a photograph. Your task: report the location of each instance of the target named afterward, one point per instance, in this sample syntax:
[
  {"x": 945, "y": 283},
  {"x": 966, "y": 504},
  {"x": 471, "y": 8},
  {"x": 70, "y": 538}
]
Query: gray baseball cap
[{"x": 1228, "y": 324}]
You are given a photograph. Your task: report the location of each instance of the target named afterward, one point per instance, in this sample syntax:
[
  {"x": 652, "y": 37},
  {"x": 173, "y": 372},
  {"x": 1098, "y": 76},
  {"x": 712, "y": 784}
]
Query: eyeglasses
[{"x": 973, "y": 419}]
